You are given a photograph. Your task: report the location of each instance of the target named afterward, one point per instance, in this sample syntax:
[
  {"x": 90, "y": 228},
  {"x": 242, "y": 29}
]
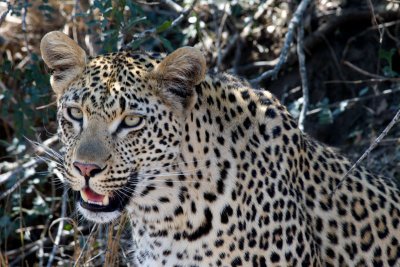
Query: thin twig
[
  {"x": 335, "y": 60},
  {"x": 174, "y": 6},
  {"x": 231, "y": 44},
  {"x": 257, "y": 64},
  {"x": 24, "y": 14},
  {"x": 84, "y": 245},
  {"x": 303, "y": 74},
  {"x": 5, "y": 13},
  {"x": 75, "y": 10},
  {"x": 363, "y": 81},
  {"x": 46, "y": 225},
  {"x": 219, "y": 37},
  {"x": 153, "y": 31},
  {"x": 375, "y": 21},
  {"x": 366, "y": 73},
  {"x": 24, "y": 254},
  {"x": 350, "y": 101},
  {"x": 354, "y": 37},
  {"x": 294, "y": 22},
  {"x": 4, "y": 89},
  {"x": 238, "y": 54},
  {"x": 60, "y": 227},
  {"x": 368, "y": 151}
]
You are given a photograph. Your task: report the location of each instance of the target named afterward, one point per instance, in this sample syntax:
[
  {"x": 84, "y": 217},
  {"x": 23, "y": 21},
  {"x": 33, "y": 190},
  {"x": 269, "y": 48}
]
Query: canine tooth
[
  {"x": 106, "y": 200},
  {"x": 84, "y": 196}
]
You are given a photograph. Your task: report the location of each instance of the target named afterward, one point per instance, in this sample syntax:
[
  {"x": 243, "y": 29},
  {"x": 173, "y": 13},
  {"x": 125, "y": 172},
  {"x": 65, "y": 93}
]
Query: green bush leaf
[{"x": 164, "y": 26}]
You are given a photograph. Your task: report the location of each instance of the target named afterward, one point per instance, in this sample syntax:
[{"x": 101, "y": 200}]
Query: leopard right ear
[{"x": 65, "y": 57}]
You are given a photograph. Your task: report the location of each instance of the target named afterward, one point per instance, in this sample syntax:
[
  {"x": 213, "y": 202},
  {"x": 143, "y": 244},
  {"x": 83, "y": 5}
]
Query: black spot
[
  {"x": 252, "y": 108},
  {"x": 210, "y": 196},
  {"x": 247, "y": 123},
  {"x": 270, "y": 113},
  {"x": 276, "y": 132},
  {"x": 178, "y": 211},
  {"x": 226, "y": 212},
  {"x": 236, "y": 262},
  {"x": 205, "y": 227},
  {"x": 245, "y": 95},
  {"x": 274, "y": 257},
  {"x": 122, "y": 103},
  {"x": 221, "y": 140},
  {"x": 232, "y": 98}
]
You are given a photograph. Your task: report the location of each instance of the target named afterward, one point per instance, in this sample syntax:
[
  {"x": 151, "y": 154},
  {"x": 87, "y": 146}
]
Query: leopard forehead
[{"x": 113, "y": 83}]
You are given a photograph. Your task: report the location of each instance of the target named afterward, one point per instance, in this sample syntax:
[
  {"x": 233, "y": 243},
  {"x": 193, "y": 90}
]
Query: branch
[
  {"x": 303, "y": 74},
  {"x": 294, "y": 22},
  {"x": 153, "y": 31},
  {"x": 5, "y": 13},
  {"x": 174, "y": 6},
  {"x": 333, "y": 23},
  {"x": 363, "y": 81},
  {"x": 368, "y": 151}
]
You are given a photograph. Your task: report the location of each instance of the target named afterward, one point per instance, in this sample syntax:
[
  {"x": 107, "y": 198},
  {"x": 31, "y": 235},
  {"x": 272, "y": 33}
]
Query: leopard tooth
[
  {"x": 106, "y": 200},
  {"x": 84, "y": 196},
  {"x": 95, "y": 203}
]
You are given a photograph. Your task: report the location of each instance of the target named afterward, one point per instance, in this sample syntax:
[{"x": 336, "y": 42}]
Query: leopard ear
[
  {"x": 64, "y": 57},
  {"x": 178, "y": 74}
]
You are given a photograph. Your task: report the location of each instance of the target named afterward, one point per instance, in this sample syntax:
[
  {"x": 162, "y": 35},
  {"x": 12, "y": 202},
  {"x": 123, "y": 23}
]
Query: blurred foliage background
[{"x": 353, "y": 67}]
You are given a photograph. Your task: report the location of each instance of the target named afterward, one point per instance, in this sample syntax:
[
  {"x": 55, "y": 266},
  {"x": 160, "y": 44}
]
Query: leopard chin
[{"x": 101, "y": 217}]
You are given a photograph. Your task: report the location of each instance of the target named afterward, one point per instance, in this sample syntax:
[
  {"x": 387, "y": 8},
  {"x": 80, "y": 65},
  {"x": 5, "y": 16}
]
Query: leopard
[{"x": 210, "y": 171}]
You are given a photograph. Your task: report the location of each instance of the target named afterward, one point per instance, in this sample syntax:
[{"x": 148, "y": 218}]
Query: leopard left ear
[
  {"x": 179, "y": 73},
  {"x": 65, "y": 57}
]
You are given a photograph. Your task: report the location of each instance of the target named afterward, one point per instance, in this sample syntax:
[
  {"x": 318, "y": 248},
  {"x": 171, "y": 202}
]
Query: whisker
[{"x": 186, "y": 162}]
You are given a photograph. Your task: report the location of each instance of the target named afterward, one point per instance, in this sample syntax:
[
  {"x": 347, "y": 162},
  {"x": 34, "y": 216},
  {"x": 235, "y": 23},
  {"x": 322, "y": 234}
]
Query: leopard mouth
[{"x": 115, "y": 201}]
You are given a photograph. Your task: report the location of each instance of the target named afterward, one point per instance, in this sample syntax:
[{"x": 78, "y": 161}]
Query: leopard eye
[
  {"x": 75, "y": 113},
  {"x": 132, "y": 121}
]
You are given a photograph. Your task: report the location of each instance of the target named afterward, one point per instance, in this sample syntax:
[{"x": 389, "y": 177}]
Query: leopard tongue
[{"x": 93, "y": 196}]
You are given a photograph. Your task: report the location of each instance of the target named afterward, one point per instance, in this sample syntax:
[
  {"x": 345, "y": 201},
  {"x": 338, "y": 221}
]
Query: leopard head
[{"x": 121, "y": 120}]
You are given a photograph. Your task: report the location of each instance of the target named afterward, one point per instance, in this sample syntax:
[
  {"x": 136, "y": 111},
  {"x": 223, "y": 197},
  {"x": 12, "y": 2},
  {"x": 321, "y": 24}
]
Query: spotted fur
[{"x": 219, "y": 174}]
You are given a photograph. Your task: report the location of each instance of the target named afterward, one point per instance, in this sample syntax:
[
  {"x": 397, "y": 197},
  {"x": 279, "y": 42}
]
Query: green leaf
[
  {"x": 388, "y": 72},
  {"x": 46, "y": 8},
  {"x": 4, "y": 221},
  {"x": 167, "y": 44},
  {"x": 164, "y": 26},
  {"x": 132, "y": 23},
  {"x": 325, "y": 116},
  {"x": 136, "y": 44},
  {"x": 387, "y": 54},
  {"x": 363, "y": 91},
  {"x": 68, "y": 227}
]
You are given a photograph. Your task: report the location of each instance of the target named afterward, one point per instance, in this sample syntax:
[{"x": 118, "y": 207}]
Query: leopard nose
[{"x": 87, "y": 169}]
